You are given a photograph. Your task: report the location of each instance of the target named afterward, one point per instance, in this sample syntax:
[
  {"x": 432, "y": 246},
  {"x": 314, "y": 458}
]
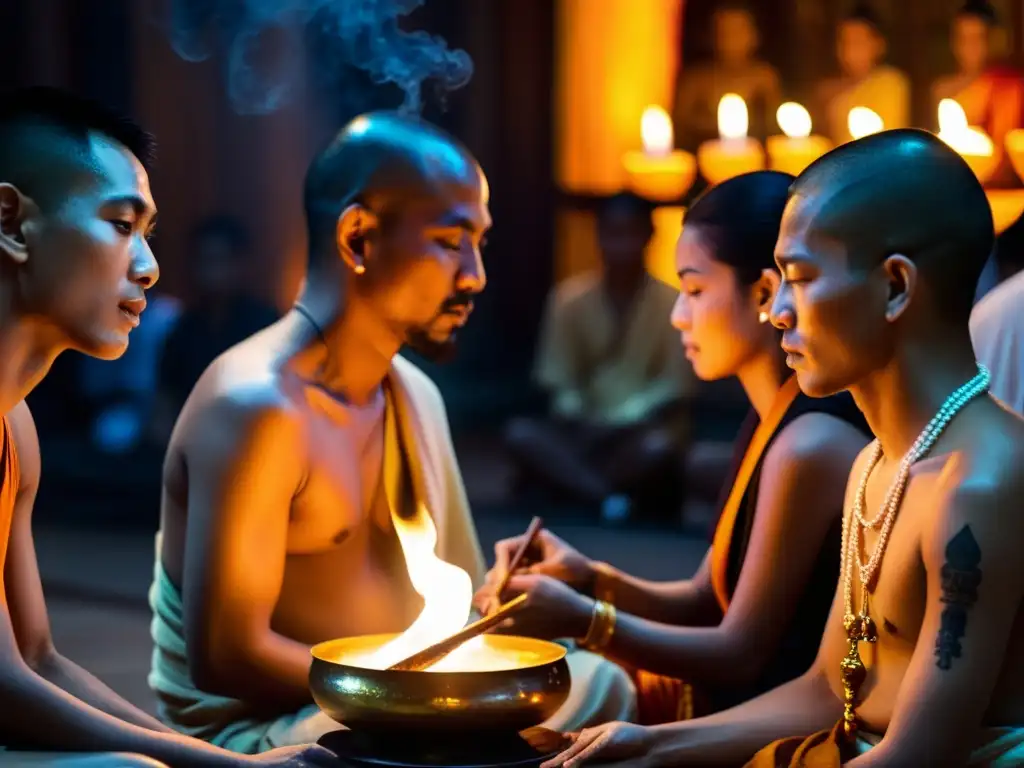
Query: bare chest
[
  {"x": 896, "y": 600},
  {"x": 343, "y": 490}
]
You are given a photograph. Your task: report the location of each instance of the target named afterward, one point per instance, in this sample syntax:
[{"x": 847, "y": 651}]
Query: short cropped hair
[{"x": 26, "y": 114}]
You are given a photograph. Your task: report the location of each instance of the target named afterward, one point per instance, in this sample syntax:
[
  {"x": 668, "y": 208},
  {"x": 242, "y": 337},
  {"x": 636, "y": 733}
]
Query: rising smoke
[{"x": 267, "y": 43}]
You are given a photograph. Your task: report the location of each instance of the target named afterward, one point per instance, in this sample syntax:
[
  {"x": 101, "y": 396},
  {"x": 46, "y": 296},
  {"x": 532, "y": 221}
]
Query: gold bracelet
[
  {"x": 602, "y": 627},
  {"x": 604, "y": 583}
]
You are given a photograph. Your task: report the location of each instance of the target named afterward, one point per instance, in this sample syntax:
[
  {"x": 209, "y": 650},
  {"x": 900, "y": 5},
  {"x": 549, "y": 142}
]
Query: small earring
[
  {"x": 763, "y": 317},
  {"x": 359, "y": 269}
]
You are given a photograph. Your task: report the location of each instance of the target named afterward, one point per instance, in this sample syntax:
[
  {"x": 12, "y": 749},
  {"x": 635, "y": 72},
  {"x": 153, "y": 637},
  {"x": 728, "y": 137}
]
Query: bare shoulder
[
  {"x": 817, "y": 441},
  {"x": 241, "y": 395},
  {"x": 979, "y": 492}
]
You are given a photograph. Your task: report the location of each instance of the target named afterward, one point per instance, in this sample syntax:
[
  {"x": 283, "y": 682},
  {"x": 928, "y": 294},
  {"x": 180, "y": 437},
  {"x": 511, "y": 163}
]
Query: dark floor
[{"x": 96, "y": 580}]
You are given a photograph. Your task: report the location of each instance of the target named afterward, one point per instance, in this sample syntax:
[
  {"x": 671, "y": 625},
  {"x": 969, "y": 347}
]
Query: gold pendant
[{"x": 852, "y": 670}]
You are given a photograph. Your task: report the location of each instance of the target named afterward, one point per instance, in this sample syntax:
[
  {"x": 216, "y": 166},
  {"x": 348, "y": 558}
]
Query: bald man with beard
[
  {"x": 880, "y": 248},
  {"x": 298, "y": 447}
]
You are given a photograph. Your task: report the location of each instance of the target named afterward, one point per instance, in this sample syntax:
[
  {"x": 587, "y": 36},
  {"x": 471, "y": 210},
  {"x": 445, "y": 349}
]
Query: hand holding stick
[{"x": 531, "y": 534}]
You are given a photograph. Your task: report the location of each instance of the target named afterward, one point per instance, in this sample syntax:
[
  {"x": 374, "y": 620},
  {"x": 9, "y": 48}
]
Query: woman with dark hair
[{"x": 752, "y": 616}]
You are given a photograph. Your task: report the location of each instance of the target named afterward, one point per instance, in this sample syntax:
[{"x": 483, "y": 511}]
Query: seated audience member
[
  {"x": 616, "y": 377},
  {"x": 921, "y": 661},
  {"x": 300, "y": 447},
  {"x": 752, "y": 616},
  {"x": 734, "y": 69},
  {"x": 990, "y": 91},
  {"x": 997, "y": 332},
  {"x": 864, "y": 80},
  {"x": 75, "y": 216}
]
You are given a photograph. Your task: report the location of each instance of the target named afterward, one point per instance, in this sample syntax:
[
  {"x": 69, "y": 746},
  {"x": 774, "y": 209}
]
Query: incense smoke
[{"x": 265, "y": 42}]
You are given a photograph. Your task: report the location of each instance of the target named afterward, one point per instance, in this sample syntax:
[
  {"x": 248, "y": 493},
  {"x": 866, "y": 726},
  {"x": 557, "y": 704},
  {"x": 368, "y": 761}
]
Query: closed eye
[{"x": 450, "y": 246}]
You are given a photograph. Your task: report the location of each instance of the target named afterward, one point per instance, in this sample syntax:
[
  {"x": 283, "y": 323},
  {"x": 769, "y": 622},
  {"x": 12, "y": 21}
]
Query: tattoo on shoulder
[{"x": 960, "y": 579}]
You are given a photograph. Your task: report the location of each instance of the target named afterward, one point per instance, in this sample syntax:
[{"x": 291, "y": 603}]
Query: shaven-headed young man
[
  {"x": 922, "y": 660},
  {"x": 75, "y": 214}
]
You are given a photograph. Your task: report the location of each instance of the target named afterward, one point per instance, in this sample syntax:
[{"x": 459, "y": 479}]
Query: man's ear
[
  {"x": 14, "y": 208},
  {"x": 901, "y": 274},
  {"x": 765, "y": 288},
  {"x": 355, "y": 235}
]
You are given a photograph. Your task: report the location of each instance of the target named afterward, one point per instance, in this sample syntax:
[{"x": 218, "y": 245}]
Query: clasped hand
[{"x": 553, "y": 577}]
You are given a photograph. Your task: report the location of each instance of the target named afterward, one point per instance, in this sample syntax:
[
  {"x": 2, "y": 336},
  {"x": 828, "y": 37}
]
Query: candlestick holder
[
  {"x": 793, "y": 154},
  {"x": 722, "y": 159},
  {"x": 661, "y": 177}
]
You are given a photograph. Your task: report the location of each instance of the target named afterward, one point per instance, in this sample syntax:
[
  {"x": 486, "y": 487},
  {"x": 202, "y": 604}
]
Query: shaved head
[
  {"x": 881, "y": 246},
  {"x": 397, "y": 213},
  {"x": 380, "y": 160},
  {"x": 903, "y": 192}
]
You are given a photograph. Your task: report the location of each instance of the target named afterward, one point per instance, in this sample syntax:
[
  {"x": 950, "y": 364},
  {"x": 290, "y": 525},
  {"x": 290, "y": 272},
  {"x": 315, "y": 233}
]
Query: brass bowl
[{"x": 511, "y": 699}]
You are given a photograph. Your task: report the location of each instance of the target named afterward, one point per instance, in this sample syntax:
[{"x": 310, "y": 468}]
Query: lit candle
[
  {"x": 797, "y": 149},
  {"x": 972, "y": 144},
  {"x": 664, "y": 174},
  {"x": 861, "y": 122},
  {"x": 659, "y": 172},
  {"x": 733, "y": 152}
]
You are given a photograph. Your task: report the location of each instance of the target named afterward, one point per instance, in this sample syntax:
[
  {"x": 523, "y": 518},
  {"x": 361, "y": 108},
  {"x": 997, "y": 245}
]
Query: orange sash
[
  {"x": 727, "y": 521},
  {"x": 10, "y": 478}
]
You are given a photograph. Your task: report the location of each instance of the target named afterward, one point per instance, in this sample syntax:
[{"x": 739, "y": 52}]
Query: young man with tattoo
[{"x": 921, "y": 663}]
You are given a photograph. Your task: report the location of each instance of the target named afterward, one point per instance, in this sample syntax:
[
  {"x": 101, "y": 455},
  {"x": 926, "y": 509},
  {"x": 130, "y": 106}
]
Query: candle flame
[
  {"x": 863, "y": 122},
  {"x": 732, "y": 117},
  {"x": 953, "y": 130},
  {"x": 656, "y": 131},
  {"x": 794, "y": 120},
  {"x": 952, "y": 118}
]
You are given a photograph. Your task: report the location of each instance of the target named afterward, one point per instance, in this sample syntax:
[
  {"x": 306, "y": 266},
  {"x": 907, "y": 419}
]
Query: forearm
[
  {"x": 700, "y": 655},
  {"x": 35, "y": 711},
  {"x": 798, "y": 708},
  {"x": 71, "y": 678},
  {"x": 681, "y": 603},
  {"x": 272, "y": 669}
]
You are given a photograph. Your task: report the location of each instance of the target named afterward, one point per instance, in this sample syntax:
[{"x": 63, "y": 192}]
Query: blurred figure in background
[
  {"x": 997, "y": 333},
  {"x": 220, "y": 312},
  {"x": 120, "y": 395},
  {"x": 989, "y": 90},
  {"x": 735, "y": 69},
  {"x": 997, "y": 323},
  {"x": 616, "y": 376},
  {"x": 864, "y": 80}
]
